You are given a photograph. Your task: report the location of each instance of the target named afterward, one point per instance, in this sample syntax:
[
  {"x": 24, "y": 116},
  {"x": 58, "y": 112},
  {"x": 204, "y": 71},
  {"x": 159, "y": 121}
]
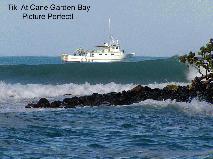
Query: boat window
[
  {"x": 117, "y": 47},
  {"x": 112, "y": 54},
  {"x": 105, "y": 54},
  {"x": 100, "y": 54}
]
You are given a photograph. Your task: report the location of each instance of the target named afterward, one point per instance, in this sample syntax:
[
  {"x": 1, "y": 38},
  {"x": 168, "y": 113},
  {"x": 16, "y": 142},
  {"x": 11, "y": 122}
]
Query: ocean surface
[{"x": 149, "y": 129}]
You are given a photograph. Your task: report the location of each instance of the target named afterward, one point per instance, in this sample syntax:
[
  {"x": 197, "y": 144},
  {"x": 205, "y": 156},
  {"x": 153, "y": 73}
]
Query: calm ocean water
[{"x": 149, "y": 129}]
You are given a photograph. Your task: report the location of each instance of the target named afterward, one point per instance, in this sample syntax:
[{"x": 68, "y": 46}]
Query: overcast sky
[{"x": 146, "y": 27}]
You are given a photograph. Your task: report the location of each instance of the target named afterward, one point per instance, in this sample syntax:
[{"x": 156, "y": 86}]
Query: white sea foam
[
  {"x": 193, "y": 107},
  {"x": 162, "y": 85},
  {"x": 13, "y": 97},
  {"x": 193, "y": 72},
  {"x": 29, "y": 91},
  {"x": 21, "y": 91}
]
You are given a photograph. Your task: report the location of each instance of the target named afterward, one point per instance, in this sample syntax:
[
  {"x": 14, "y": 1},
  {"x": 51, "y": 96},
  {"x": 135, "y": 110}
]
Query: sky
[{"x": 145, "y": 27}]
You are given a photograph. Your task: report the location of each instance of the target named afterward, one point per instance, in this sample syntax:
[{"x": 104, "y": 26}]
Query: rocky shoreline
[{"x": 198, "y": 89}]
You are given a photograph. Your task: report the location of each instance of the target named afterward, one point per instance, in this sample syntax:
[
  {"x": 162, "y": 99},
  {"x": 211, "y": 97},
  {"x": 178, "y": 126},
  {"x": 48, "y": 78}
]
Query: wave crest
[{"x": 20, "y": 91}]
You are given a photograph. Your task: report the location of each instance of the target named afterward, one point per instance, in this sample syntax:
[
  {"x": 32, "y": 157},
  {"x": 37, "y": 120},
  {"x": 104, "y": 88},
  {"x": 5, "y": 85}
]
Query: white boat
[{"x": 108, "y": 52}]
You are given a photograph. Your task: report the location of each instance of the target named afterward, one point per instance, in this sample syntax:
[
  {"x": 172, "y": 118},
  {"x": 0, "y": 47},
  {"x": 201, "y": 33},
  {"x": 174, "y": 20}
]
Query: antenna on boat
[
  {"x": 111, "y": 38},
  {"x": 109, "y": 29}
]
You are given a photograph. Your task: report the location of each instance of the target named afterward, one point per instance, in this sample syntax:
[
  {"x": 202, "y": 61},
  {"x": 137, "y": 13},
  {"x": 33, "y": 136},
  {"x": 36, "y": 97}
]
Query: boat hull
[{"x": 72, "y": 58}]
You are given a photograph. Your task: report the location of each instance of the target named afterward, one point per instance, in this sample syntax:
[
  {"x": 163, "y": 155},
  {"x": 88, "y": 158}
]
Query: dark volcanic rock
[
  {"x": 198, "y": 89},
  {"x": 42, "y": 103},
  {"x": 71, "y": 102},
  {"x": 137, "y": 89},
  {"x": 56, "y": 104}
]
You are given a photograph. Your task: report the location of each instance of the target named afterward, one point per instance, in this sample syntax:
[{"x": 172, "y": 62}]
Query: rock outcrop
[{"x": 198, "y": 89}]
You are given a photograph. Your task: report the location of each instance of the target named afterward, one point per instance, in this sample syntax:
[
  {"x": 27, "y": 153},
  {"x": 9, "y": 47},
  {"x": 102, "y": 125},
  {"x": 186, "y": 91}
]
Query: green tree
[{"x": 203, "y": 59}]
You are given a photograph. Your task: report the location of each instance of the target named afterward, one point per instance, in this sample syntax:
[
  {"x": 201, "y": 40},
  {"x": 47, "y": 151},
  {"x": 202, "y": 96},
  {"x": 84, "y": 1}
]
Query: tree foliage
[{"x": 202, "y": 60}]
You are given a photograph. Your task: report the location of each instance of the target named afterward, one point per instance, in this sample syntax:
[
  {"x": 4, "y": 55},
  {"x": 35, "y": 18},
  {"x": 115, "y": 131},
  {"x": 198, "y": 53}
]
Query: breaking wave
[
  {"x": 14, "y": 96},
  {"x": 194, "y": 107},
  {"x": 22, "y": 91}
]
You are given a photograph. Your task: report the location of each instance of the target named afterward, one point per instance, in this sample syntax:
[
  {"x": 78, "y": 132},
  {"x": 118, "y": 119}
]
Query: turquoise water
[
  {"x": 139, "y": 72},
  {"x": 149, "y": 129}
]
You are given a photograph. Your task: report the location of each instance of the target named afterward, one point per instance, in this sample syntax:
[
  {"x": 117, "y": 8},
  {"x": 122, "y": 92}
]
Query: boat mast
[
  {"x": 111, "y": 38},
  {"x": 110, "y": 31}
]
